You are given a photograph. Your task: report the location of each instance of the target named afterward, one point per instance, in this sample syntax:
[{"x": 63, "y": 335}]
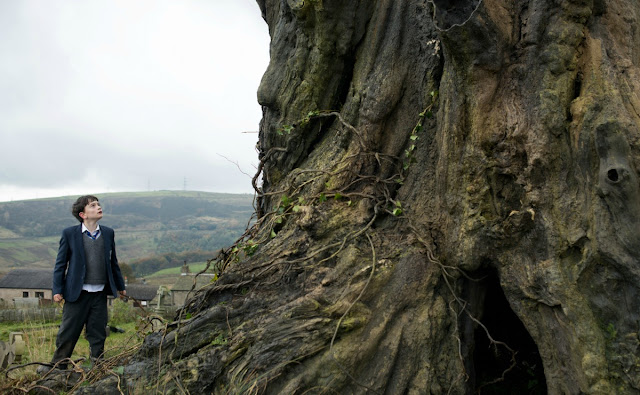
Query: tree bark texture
[{"x": 440, "y": 181}]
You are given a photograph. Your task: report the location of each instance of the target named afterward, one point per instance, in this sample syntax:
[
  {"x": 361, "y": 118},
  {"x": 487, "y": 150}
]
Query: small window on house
[
  {"x": 25, "y": 294},
  {"x": 40, "y": 295}
]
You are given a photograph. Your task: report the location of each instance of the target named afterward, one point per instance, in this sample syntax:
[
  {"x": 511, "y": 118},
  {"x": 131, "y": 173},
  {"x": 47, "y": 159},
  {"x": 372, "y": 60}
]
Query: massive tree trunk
[{"x": 449, "y": 203}]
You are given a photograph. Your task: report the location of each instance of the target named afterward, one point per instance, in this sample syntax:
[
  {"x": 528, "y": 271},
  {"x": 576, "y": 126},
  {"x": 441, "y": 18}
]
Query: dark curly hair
[{"x": 79, "y": 205}]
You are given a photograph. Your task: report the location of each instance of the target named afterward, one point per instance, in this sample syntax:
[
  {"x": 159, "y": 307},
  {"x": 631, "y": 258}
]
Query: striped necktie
[{"x": 93, "y": 236}]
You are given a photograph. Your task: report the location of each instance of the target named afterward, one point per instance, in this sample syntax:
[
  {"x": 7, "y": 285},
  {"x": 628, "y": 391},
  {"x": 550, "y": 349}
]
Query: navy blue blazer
[{"x": 70, "y": 268}]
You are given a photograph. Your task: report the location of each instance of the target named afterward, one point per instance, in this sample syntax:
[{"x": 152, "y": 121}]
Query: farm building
[
  {"x": 142, "y": 294},
  {"x": 26, "y": 283},
  {"x": 188, "y": 285}
]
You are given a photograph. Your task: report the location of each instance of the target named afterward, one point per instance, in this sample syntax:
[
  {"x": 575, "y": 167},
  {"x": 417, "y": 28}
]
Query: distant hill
[{"x": 148, "y": 224}]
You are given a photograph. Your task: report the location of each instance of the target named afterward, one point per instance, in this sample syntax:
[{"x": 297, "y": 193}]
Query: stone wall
[{"x": 26, "y": 315}]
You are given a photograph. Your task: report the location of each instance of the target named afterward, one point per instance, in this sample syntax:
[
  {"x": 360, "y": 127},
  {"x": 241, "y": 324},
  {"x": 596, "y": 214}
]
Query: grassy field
[
  {"x": 169, "y": 276},
  {"x": 40, "y": 337},
  {"x": 28, "y": 250},
  {"x": 175, "y": 271}
]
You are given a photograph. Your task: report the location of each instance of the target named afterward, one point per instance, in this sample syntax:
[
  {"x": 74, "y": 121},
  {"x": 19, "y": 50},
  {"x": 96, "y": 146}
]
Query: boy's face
[{"x": 92, "y": 211}]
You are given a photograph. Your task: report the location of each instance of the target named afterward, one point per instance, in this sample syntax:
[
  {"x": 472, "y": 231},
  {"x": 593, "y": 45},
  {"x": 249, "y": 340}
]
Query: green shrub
[{"x": 122, "y": 313}]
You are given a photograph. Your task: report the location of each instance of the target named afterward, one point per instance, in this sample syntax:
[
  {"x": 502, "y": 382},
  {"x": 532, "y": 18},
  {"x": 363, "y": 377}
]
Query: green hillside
[{"x": 167, "y": 224}]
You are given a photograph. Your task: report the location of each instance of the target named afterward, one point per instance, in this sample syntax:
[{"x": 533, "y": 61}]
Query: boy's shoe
[
  {"x": 96, "y": 361},
  {"x": 44, "y": 369}
]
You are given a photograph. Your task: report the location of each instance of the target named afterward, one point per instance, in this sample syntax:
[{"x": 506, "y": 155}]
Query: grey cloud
[{"x": 122, "y": 96}]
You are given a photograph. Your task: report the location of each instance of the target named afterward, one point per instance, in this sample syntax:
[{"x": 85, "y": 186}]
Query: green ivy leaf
[
  {"x": 337, "y": 196},
  {"x": 296, "y": 208},
  {"x": 273, "y": 233},
  {"x": 414, "y": 137},
  {"x": 323, "y": 198},
  {"x": 397, "y": 211}
]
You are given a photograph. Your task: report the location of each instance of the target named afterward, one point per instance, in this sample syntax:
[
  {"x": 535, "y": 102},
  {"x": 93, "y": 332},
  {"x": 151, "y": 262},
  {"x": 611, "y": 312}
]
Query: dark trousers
[{"x": 89, "y": 310}]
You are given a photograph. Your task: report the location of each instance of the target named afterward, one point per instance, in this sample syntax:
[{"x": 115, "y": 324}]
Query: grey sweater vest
[{"x": 94, "y": 252}]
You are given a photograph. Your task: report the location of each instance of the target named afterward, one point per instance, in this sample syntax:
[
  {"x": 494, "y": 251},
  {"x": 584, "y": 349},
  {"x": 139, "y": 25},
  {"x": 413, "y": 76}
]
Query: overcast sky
[{"x": 119, "y": 95}]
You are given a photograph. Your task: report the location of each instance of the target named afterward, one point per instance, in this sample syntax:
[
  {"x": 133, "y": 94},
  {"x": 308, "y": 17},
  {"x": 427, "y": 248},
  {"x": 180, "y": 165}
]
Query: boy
[{"x": 86, "y": 271}]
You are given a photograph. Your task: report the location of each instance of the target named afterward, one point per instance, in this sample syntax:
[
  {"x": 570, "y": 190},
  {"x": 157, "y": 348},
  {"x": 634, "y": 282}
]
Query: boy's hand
[
  {"x": 57, "y": 298},
  {"x": 123, "y": 296}
]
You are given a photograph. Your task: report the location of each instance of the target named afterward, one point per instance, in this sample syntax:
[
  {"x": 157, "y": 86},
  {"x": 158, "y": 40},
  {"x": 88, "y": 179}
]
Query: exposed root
[{"x": 335, "y": 333}]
